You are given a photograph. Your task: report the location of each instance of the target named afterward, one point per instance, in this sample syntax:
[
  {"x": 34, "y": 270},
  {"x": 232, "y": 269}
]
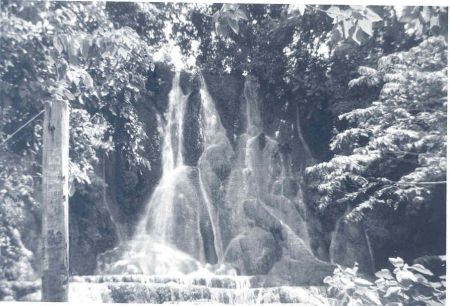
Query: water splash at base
[{"x": 194, "y": 289}]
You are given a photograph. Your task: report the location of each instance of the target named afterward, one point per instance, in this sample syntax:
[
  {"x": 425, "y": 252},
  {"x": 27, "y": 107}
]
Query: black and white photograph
[{"x": 203, "y": 153}]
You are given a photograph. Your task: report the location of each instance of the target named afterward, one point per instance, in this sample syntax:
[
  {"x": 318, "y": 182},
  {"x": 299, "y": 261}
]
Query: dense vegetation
[{"x": 368, "y": 86}]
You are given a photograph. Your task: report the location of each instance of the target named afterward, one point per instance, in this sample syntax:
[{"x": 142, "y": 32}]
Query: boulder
[
  {"x": 301, "y": 271},
  {"x": 254, "y": 209},
  {"x": 91, "y": 231},
  {"x": 253, "y": 252}
]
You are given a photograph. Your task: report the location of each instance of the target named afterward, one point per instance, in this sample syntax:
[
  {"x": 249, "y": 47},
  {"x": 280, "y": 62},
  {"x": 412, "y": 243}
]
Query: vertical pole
[{"x": 55, "y": 167}]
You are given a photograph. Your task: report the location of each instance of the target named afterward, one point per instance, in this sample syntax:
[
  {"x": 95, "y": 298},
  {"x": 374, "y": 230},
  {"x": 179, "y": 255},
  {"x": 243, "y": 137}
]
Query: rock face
[
  {"x": 91, "y": 232},
  {"x": 349, "y": 245},
  {"x": 259, "y": 206},
  {"x": 253, "y": 252}
]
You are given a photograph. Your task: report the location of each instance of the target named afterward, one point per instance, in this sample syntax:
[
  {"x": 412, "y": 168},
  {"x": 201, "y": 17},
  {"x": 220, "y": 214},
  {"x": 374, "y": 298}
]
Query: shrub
[{"x": 405, "y": 285}]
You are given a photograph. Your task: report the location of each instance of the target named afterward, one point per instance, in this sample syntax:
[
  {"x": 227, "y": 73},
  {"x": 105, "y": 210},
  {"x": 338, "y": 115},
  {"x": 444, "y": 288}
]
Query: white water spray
[{"x": 214, "y": 135}]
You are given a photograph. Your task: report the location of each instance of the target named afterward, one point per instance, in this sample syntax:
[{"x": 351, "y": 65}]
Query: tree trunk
[{"x": 55, "y": 168}]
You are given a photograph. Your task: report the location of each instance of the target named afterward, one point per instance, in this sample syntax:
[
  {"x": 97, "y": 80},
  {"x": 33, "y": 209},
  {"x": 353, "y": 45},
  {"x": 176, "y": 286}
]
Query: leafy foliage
[
  {"x": 393, "y": 152},
  {"x": 73, "y": 52},
  {"x": 353, "y": 22},
  {"x": 229, "y": 15},
  {"x": 405, "y": 285},
  {"x": 19, "y": 214},
  {"x": 422, "y": 20}
]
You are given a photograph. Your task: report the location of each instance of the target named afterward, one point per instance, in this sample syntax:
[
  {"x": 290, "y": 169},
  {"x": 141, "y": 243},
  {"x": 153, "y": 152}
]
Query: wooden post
[{"x": 55, "y": 198}]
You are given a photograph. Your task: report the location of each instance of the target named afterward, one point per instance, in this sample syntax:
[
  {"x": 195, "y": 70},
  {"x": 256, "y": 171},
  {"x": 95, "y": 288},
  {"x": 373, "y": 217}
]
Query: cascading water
[
  {"x": 154, "y": 249},
  {"x": 260, "y": 177},
  {"x": 158, "y": 219},
  {"x": 214, "y": 139},
  {"x": 169, "y": 239},
  {"x": 199, "y": 228}
]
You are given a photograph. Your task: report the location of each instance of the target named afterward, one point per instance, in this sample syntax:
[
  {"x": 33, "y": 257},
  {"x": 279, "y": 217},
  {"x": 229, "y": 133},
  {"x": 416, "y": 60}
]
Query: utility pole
[{"x": 55, "y": 199}]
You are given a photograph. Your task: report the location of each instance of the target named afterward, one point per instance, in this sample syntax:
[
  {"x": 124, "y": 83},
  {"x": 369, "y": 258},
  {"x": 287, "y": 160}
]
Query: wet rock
[
  {"x": 91, "y": 231},
  {"x": 214, "y": 167},
  {"x": 6, "y": 292},
  {"x": 159, "y": 84},
  {"x": 188, "y": 82},
  {"x": 255, "y": 210},
  {"x": 349, "y": 245},
  {"x": 226, "y": 90},
  {"x": 302, "y": 271},
  {"x": 298, "y": 265},
  {"x": 290, "y": 187},
  {"x": 284, "y": 209},
  {"x": 192, "y": 142},
  {"x": 253, "y": 252}
]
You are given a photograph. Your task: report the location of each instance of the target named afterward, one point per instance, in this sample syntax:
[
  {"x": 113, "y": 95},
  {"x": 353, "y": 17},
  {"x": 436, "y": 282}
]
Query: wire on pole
[{"x": 20, "y": 128}]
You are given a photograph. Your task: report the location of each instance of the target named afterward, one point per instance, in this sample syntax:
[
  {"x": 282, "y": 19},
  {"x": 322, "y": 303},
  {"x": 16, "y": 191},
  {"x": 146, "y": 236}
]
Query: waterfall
[
  {"x": 253, "y": 108},
  {"x": 260, "y": 182},
  {"x": 199, "y": 214},
  {"x": 214, "y": 135},
  {"x": 234, "y": 211},
  {"x": 160, "y": 207},
  {"x": 170, "y": 237}
]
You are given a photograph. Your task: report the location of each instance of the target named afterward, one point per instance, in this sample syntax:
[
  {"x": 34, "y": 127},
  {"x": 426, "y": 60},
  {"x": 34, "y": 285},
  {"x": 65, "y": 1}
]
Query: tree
[
  {"x": 391, "y": 155},
  {"x": 76, "y": 52}
]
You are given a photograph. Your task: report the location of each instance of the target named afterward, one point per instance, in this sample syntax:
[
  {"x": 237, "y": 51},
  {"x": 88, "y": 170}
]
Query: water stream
[{"x": 169, "y": 239}]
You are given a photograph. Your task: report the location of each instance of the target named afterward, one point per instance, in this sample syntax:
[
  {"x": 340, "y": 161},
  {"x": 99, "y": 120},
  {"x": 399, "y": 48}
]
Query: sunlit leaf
[
  {"x": 57, "y": 44},
  {"x": 333, "y": 11},
  {"x": 347, "y": 26},
  {"x": 421, "y": 269},
  {"x": 384, "y": 273},
  {"x": 405, "y": 278},
  {"x": 371, "y": 15},
  {"x": 425, "y": 13},
  {"x": 234, "y": 25},
  {"x": 366, "y": 26},
  {"x": 371, "y": 297},
  {"x": 87, "y": 80},
  {"x": 362, "y": 282},
  {"x": 393, "y": 290},
  {"x": 241, "y": 14},
  {"x": 397, "y": 262}
]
